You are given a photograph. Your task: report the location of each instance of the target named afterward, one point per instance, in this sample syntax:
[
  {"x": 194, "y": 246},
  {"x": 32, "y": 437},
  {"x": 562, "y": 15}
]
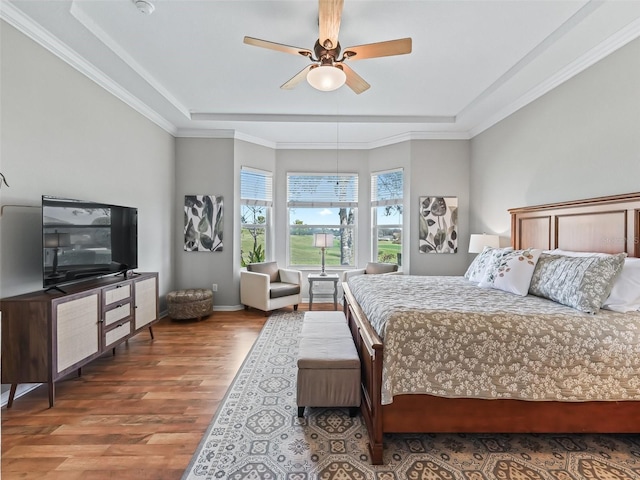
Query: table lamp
[{"x": 323, "y": 241}]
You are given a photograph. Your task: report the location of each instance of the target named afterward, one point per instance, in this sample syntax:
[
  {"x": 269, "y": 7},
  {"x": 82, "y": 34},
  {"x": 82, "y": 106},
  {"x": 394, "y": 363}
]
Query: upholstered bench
[
  {"x": 329, "y": 316},
  {"x": 191, "y": 303},
  {"x": 328, "y": 364}
]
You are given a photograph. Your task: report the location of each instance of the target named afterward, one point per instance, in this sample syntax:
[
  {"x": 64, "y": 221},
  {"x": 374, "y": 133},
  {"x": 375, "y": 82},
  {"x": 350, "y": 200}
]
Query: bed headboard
[{"x": 604, "y": 224}]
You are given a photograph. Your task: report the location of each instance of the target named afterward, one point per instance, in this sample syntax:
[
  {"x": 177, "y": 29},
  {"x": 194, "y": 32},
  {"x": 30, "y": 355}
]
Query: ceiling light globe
[{"x": 326, "y": 78}]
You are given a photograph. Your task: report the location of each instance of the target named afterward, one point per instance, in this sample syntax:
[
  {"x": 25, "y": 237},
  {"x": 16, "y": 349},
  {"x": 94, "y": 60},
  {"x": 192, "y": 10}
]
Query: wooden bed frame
[{"x": 605, "y": 224}]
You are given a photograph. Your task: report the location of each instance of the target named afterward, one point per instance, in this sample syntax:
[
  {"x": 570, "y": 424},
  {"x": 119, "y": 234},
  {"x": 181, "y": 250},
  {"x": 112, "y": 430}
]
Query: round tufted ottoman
[{"x": 191, "y": 303}]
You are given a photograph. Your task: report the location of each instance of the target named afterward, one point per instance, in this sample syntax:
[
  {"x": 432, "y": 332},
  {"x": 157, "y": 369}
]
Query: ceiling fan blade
[
  {"x": 380, "y": 49},
  {"x": 354, "y": 81},
  {"x": 297, "y": 78},
  {"x": 329, "y": 15},
  {"x": 256, "y": 42}
]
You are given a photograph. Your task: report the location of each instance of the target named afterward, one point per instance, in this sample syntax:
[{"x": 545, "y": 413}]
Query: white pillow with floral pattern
[
  {"x": 487, "y": 257},
  {"x": 512, "y": 271}
]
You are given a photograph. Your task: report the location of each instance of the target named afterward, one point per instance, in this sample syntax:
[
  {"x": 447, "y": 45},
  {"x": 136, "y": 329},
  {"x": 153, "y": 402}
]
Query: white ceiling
[{"x": 186, "y": 67}]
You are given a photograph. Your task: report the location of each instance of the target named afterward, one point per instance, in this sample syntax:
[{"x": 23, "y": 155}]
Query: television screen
[{"x": 82, "y": 240}]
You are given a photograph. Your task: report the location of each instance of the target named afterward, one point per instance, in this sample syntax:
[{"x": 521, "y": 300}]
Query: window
[
  {"x": 321, "y": 203},
  {"x": 386, "y": 216},
  {"x": 256, "y": 200}
]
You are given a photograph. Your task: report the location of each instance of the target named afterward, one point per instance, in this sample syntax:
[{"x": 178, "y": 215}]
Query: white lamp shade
[
  {"x": 477, "y": 242},
  {"x": 326, "y": 78},
  {"x": 323, "y": 240},
  {"x": 56, "y": 240}
]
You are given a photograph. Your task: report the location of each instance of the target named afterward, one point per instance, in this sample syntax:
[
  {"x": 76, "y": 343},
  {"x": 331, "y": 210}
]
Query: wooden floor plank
[{"x": 139, "y": 414}]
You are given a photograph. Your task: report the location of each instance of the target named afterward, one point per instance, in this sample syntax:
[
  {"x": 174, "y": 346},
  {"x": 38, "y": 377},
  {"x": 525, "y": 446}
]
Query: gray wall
[
  {"x": 63, "y": 135},
  {"x": 440, "y": 168},
  {"x": 205, "y": 166},
  {"x": 580, "y": 140}
]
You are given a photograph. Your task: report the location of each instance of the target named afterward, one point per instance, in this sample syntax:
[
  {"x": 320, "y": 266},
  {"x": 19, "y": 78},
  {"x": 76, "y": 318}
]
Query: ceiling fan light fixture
[{"x": 326, "y": 78}]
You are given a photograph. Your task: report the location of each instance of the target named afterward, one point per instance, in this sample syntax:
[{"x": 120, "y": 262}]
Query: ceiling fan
[{"x": 329, "y": 70}]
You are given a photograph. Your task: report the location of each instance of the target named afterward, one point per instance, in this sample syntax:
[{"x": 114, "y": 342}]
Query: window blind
[
  {"x": 322, "y": 190},
  {"x": 387, "y": 188},
  {"x": 256, "y": 187}
]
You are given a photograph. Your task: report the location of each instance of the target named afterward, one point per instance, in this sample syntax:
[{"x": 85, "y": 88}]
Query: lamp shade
[
  {"x": 477, "y": 242},
  {"x": 56, "y": 240},
  {"x": 326, "y": 78},
  {"x": 323, "y": 240}
]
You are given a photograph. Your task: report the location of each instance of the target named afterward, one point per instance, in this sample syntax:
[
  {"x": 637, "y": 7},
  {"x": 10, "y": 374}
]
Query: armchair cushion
[
  {"x": 270, "y": 268},
  {"x": 279, "y": 289},
  {"x": 378, "y": 268}
]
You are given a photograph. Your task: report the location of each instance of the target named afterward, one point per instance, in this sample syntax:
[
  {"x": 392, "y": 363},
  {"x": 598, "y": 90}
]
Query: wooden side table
[{"x": 330, "y": 277}]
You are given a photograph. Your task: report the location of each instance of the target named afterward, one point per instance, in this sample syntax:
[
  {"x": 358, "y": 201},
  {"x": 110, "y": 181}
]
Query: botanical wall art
[
  {"x": 203, "y": 223},
  {"x": 438, "y": 224}
]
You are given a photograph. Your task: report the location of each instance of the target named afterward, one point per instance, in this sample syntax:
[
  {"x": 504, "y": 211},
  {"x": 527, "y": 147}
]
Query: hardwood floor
[{"x": 137, "y": 415}]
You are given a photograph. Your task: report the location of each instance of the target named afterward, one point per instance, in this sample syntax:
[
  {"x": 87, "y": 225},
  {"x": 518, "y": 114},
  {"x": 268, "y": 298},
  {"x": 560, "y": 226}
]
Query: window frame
[
  {"x": 352, "y": 181},
  {"x": 376, "y": 203},
  {"x": 257, "y": 200}
]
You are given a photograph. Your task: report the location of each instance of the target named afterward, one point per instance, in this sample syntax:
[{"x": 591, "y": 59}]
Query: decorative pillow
[
  {"x": 478, "y": 267},
  {"x": 582, "y": 283},
  {"x": 378, "y": 268},
  {"x": 512, "y": 271},
  {"x": 625, "y": 293},
  {"x": 270, "y": 268}
]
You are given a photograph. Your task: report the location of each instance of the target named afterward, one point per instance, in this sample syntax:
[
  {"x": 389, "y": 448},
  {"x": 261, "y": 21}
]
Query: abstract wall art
[
  {"x": 438, "y": 224},
  {"x": 203, "y": 223}
]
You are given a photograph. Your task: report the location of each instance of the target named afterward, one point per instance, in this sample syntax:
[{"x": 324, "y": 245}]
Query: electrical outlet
[{"x": 214, "y": 287}]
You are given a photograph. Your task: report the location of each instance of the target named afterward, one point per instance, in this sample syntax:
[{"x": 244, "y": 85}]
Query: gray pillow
[
  {"x": 583, "y": 283},
  {"x": 270, "y": 268},
  {"x": 378, "y": 268}
]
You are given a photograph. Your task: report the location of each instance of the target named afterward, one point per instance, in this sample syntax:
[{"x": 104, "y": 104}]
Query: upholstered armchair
[
  {"x": 371, "y": 268},
  {"x": 267, "y": 287}
]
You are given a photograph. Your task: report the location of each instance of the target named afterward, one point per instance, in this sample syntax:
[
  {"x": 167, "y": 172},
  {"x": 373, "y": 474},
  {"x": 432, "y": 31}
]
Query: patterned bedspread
[{"x": 445, "y": 336}]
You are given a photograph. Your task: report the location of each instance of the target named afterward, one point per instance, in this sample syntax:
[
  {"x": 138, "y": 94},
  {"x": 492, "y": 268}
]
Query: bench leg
[{"x": 301, "y": 411}]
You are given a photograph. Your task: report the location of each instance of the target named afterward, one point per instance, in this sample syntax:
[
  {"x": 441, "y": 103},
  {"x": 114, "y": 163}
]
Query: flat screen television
[{"x": 83, "y": 240}]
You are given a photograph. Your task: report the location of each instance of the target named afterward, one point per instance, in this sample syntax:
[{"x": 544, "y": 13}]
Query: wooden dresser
[{"x": 47, "y": 335}]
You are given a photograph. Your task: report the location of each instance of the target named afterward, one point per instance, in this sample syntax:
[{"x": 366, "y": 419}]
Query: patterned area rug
[{"x": 257, "y": 435}]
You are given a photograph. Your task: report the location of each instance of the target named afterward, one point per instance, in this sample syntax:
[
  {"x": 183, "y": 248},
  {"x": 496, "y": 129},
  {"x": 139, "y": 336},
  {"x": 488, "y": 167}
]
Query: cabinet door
[
  {"x": 77, "y": 330},
  {"x": 146, "y": 300}
]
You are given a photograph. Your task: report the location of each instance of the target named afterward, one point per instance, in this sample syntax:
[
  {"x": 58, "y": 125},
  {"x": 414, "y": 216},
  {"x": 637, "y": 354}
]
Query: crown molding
[
  {"x": 297, "y": 118},
  {"x": 205, "y": 133},
  {"x": 35, "y": 32},
  {"x": 224, "y": 134},
  {"x": 404, "y": 137},
  {"x": 237, "y": 135},
  {"x": 602, "y": 50},
  {"x": 255, "y": 140},
  {"x": 84, "y": 19}
]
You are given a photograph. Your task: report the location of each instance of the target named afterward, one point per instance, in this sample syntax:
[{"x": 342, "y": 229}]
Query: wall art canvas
[
  {"x": 202, "y": 223},
  {"x": 438, "y": 224}
]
